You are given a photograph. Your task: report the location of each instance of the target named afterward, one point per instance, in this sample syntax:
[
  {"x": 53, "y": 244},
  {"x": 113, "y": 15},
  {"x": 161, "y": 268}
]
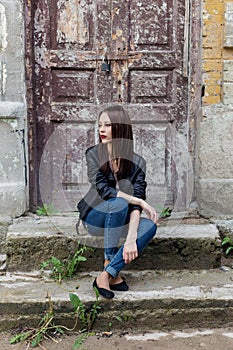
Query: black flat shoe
[
  {"x": 103, "y": 292},
  {"x": 120, "y": 287}
]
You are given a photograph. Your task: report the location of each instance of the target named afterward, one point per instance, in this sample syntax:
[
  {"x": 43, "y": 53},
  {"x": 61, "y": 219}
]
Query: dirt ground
[{"x": 219, "y": 339}]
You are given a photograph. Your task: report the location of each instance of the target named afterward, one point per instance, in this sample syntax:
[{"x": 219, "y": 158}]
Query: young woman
[{"x": 113, "y": 205}]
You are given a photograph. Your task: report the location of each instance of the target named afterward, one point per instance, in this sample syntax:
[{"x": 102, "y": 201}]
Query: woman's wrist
[
  {"x": 136, "y": 201},
  {"x": 131, "y": 199},
  {"x": 141, "y": 202},
  {"x": 130, "y": 240}
]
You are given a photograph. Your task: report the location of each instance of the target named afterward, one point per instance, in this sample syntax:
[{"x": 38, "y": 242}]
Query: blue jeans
[{"x": 110, "y": 219}]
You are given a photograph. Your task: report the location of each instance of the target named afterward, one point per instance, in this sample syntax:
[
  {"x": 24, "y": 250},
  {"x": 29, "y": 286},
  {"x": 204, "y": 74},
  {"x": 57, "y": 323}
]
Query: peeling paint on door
[
  {"x": 73, "y": 22},
  {"x": 142, "y": 45}
]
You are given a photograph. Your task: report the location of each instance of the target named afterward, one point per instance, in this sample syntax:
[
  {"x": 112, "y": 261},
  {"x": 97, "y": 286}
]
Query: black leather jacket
[{"x": 103, "y": 187}]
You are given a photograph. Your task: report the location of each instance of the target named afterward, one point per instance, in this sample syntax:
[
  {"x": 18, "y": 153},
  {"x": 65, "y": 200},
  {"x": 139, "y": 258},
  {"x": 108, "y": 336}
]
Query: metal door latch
[{"x": 105, "y": 67}]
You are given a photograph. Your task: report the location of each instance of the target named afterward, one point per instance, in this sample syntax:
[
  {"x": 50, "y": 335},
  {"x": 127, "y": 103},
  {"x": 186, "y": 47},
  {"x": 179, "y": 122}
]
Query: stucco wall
[
  {"x": 215, "y": 157},
  {"x": 13, "y": 122}
]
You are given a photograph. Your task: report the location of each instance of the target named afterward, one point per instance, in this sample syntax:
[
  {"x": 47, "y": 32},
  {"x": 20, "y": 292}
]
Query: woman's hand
[
  {"x": 130, "y": 251},
  {"x": 150, "y": 211}
]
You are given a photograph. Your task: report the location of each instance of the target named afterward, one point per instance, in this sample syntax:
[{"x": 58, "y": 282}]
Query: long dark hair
[{"x": 122, "y": 142}]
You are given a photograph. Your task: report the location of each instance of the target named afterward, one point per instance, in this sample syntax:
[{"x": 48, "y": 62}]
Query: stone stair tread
[
  {"x": 23, "y": 286},
  {"x": 31, "y": 240},
  {"x": 169, "y": 296},
  {"x": 24, "y": 227}
]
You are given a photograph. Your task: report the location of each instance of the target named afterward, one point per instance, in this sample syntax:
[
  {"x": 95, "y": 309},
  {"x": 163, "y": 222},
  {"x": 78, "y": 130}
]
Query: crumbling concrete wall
[
  {"x": 215, "y": 141},
  {"x": 13, "y": 121}
]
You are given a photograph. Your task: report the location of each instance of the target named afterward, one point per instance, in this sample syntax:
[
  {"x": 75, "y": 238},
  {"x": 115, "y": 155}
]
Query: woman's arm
[
  {"x": 148, "y": 209},
  {"x": 130, "y": 251},
  {"x": 137, "y": 203}
]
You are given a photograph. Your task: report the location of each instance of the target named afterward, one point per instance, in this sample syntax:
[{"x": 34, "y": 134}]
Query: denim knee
[
  {"x": 117, "y": 204},
  {"x": 153, "y": 229},
  {"x": 147, "y": 226}
]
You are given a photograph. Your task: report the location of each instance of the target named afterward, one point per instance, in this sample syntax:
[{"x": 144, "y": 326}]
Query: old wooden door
[{"x": 142, "y": 44}]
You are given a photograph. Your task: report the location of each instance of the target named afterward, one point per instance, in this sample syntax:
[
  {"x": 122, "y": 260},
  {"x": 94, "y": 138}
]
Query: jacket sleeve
[
  {"x": 97, "y": 178},
  {"x": 139, "y": 186}
]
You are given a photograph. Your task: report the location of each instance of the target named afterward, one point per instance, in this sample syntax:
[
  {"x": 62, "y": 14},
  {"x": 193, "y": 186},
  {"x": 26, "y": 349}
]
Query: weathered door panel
[
  {"x": 72, "y": 24},
  {"x": 143, "y": 44}
]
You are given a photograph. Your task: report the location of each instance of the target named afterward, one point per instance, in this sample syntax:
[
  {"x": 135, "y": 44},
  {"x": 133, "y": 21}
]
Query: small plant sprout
[
  {"x": 227, "y": 241},
  {"x": 166, "y": 212},
  {"x": 61, "y": 269},
  {"x": 46, "y": 210}
]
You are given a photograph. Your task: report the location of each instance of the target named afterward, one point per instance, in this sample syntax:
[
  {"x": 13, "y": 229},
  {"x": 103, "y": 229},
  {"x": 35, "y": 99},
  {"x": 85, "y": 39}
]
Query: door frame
[{"x": 192, "y": 69}]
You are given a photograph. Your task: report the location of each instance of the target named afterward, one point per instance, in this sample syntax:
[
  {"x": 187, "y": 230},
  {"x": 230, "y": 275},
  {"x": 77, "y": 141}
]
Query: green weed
[
  {"x": 62, "y": 269},
  {"x": 227, "y": 241},
  {"x": 165, "y": 213},
  {"x": 86, "y": 316},
  {"x": 47, "y": 328},
  {"x": 46, "y": 210}
]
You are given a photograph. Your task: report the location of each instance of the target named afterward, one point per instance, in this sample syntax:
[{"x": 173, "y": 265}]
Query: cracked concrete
[
  {"x": 156, "y": 299},
  {"x": 176, "y": 282},
  {"x": 32, "y": 240}
]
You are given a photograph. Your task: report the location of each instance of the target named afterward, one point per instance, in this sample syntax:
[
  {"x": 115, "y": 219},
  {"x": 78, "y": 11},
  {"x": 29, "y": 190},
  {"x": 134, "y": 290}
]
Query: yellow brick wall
[{"x": 213, "y": 49}]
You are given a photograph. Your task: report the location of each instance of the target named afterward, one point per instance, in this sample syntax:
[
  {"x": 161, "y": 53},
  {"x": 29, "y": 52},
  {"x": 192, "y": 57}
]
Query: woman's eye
[{"x": 105, "y": 125}]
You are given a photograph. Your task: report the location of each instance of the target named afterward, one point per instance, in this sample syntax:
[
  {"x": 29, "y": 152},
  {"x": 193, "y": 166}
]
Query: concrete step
[
  {"x": 155, "y": 300},
  {"x": 177, "y": 244}
]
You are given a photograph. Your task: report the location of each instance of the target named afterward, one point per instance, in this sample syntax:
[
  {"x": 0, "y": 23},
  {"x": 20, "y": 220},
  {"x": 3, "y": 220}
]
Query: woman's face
[{"x": 105, "y": 128}]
